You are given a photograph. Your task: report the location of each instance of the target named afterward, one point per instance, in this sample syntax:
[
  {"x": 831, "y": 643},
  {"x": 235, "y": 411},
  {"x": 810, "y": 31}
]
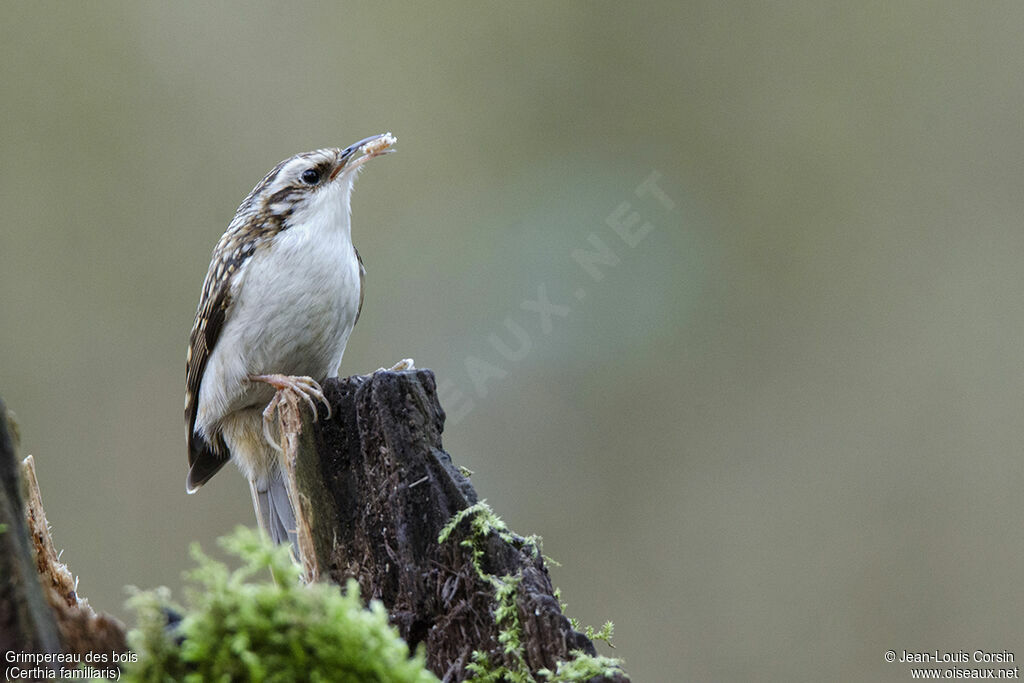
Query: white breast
[
  {"x": 294, "y": 305},
  {"x": 297, "y": 305}
]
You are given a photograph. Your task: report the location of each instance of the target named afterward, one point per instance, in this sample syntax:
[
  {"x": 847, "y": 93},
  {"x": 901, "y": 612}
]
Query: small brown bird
[{"x": 282, "y": 294}]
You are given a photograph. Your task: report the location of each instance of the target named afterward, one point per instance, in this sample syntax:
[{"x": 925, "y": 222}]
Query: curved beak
[{"x": 354, "y": 156}]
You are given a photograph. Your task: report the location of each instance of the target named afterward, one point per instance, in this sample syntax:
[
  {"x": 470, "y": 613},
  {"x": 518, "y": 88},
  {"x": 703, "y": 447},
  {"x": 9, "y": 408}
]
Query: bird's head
[{"x": 313, "y": 184}]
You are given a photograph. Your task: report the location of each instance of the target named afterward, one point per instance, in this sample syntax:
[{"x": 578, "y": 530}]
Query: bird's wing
[
  {"x": 362, "y": 282},
  {"x": 205, "y": 458}
]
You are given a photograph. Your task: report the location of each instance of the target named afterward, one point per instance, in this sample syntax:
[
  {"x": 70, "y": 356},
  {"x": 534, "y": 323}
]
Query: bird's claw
[
  {"x": 268, "y": 419},
  {"x": 290, "y": 388}
]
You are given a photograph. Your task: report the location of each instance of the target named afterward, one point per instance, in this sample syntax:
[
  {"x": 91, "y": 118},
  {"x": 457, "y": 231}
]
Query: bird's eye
[{"x": 311, "y": 176}]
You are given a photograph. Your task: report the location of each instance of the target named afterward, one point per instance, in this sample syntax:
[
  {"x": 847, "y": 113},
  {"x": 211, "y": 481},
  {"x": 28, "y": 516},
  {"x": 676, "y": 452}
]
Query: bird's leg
[
  {"x": 290, "y": 388},
  {"x": 259, "y": 504},
  {"x": 404, "y": 364}
]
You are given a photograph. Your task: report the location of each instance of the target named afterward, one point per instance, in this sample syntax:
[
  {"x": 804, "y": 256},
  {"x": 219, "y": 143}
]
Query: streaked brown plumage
[{"x": 282, "y": 293}]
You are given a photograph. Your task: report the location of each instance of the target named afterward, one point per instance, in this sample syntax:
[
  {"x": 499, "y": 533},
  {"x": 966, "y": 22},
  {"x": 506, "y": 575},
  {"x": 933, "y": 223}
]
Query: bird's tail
[{"x": 274, "y": 509}]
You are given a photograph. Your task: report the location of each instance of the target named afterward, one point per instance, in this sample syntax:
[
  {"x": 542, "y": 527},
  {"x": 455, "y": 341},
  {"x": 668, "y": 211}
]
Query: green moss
[
  {"x": 582, "y": 667},
  {"x": 506, "y": 614},
  {"x": 483, "y": 522},
  {"x": 484, "y": 671},
  {"x": 238, "y": 627},
  {"x": 604, "y": 634}
]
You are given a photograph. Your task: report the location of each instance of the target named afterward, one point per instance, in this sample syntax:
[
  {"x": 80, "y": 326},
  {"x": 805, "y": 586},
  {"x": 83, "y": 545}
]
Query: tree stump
[
  {"x": 40, "y": 610},
  {"x": 26, "y": 622},
  {"x": 379, "y": 500}
]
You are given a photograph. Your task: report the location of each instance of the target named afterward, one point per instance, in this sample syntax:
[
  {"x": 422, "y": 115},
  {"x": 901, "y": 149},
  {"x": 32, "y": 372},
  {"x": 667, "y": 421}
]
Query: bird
[{"x": 282, "y": 293}]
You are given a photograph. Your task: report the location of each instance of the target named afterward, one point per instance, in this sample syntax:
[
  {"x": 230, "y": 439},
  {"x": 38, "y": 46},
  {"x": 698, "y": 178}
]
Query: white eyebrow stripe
[{"x": 295, "y": 166}]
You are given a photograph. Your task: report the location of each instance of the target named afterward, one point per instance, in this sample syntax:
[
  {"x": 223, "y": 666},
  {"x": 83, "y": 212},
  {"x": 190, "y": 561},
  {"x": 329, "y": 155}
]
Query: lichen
[{"x": 238, "y": 626}]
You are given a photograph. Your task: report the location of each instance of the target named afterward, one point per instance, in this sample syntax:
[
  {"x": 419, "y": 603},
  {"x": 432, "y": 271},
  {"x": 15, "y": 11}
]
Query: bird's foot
[
  {"x": 404, "y": 364},
  {"x": 290, "y": 389}
]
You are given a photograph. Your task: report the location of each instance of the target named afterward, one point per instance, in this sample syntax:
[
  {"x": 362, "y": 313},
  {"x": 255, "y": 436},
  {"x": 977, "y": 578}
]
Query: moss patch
[
  {"x": 482, "y": 523},
  {"x": 259, "y": 623}
]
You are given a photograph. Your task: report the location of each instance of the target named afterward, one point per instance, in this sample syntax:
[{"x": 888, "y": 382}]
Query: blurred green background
[{"x": 781, "y": 436}]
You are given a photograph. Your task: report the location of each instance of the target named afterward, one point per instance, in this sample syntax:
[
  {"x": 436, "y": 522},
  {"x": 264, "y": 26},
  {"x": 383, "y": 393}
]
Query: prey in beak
[{"x": 354, "y": 156}]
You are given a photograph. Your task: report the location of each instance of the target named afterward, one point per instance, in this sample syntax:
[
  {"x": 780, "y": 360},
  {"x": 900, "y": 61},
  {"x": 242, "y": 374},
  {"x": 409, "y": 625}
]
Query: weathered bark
[
  {"x": 40, "y": 611},
  {"x": 81, "y": 629},
  {"x": 378, "y": 500},
  {"x": 26, "y": 621},
  {"x": 376, "y": 490}
]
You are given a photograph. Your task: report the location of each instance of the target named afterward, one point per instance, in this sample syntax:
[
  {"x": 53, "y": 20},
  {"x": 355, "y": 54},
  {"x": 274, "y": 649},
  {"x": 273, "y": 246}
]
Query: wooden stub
[
  {"x": 40, "y": 610},
  {"x": 295, "y": 442},
  {"x": 377, "y": 489},
  {"x": 26, "y": 622},
  {"x": 82, "y": 630}
]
